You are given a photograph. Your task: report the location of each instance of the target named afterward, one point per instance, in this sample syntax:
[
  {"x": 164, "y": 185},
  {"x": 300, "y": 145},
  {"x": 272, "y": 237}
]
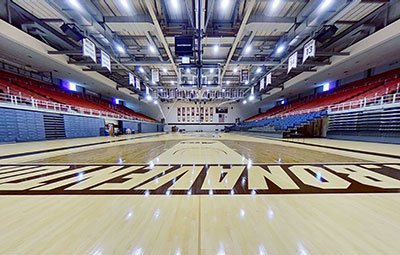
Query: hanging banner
[
  {"x": 89, "y": 49},
  {"x": 269, "y": 79},
  {"x": 131, "y": 79},
  {"x": 244, "y": 75},
  {"x": 137, "y": 83},
  {"x": 309, "y": 50},
  {"x": 292, "y": 63},
  {"x": 262, "y": 83},
  {"x": 155, "y": 75},
  {"x": 105, "y": 60}
]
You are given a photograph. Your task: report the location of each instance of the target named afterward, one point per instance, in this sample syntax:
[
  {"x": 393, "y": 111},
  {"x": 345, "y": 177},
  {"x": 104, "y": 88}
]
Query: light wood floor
[{"x": 95, "y": 224}]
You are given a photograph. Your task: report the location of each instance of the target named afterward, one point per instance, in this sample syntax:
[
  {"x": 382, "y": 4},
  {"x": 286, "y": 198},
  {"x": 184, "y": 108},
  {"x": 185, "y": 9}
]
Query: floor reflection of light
[
  {"x": 232, "y": 192},
  {"x": 262, "y": 250},
  {"x": 80, "y": 176},
  {"x": 270, "y": 213},
  {"x": 129, "y": 215},
  {"x": 151, "y": 164},
  {"x": 168, "y": 193},
  {"x": 242, "y": 213},
  {"x": 189, "y": 192},
  {"x": 178, "y": 251},
  {"x": 156, "y": 214},
  {"x": 138, "y": 251},
  {"x": 319, "y": 176},
  {"x": 157, "y": 160},
  {"x": 210, "y": 192},
  {"x": 120, "y": 160},
  {"x": 301, "y": 250},
  {"x": 156, "y": 180},
  {"x": 243, "y": 181},
  {"x": 253, "y": 192},
  {"x": 98, "y": 251},
  {"x": 146, "y": 193},
  {"x": 249, "y": 164}
]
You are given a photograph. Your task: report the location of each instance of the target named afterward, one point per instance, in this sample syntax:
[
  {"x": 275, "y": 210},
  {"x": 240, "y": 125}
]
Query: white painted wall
[{"x": 235, "y": 110}]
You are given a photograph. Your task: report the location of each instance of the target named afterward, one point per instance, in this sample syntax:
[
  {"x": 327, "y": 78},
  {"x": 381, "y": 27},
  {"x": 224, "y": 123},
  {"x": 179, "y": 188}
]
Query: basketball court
[
  {"x": 199, "y": 127},
  {"x": 198, "y": 194}
]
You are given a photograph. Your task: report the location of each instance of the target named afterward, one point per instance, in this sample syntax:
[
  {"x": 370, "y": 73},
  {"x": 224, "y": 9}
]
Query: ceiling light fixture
[
  {"x": 235, "y": 69},
  {"x": 141, "y": 69},
  {"x": 120, "y": 49},
  {"x": 225, "y": 3},
  {"x": 124, "y": 3},
  {"x": 164, "y": 69},
  {"x": 245, "y": 102},
  {"x": 247, "y": 49},
  {"x": 258, "y": 70},
  {"x": 152, "y": 49},
  {"x": 75, "y": 3},
  {"x": 187, "y": 70},
  {"x": 325, "y": 4},
  {"x": 275, "y": 4},
  {"x": 175, "y": 4},
  {"x": 216, "y": 48},
  {"x": 251, "y": 97},
  {"x": 280, "y": 49}
]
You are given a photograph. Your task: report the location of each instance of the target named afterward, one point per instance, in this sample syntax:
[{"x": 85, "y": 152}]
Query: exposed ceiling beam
[
  {"x": 270, "y": 19},
  {"x": 250, "y": 6},
  {"x": 160, "y": 34},
  {"x": 128, "y": 19}
]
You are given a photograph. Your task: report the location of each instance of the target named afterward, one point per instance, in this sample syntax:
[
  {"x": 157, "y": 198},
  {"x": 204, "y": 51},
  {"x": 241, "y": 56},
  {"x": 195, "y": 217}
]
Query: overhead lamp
[
  {"x": 325, "y": 4},
  {"x": 275, "y": 4},
  {"x": 280, "y": 49},
  {"x": 235, "y": 69},
  {"x": 187, "y": 70},
  {"x": 212, "y": 70},
  {"x": 152, "y": 49},
  {"x": 245, "y": 102},
  {"x": 141, "y": 69},
  {"x": 164, "y": 69},
  {"x": 120, "y": 49},
  {"x": 216, "y": 48},
  {"x": 208, "y": 82},
  {"x": 247, "y": 49},
  {"x": 175, "y": 4},
  {"x": 155, "y": 102},
  {"x": 125, "y": 4},
  {"x": 228, "y": 82},
  {"x": 251, "y": 97},
  {"x": 161, "y": 90},
  {"x": 148, "y": 97},
  {"x": 223, "y": 90},
  {"x": 246, "y": 82},
  {"x": 75, "y": 3},
  {"x": 225, "y": 3},
  {"x": 258, "y": 70},
  {"x": 172, "y": 82}
]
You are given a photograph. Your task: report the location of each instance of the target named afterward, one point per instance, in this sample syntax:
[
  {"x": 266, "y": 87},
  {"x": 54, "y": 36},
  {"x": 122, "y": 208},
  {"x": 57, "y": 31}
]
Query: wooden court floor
[{"x": 199, "y": 193}]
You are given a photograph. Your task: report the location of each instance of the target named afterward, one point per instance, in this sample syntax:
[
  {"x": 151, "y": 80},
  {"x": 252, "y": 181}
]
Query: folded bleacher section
[{"x": 375, "y": 124}]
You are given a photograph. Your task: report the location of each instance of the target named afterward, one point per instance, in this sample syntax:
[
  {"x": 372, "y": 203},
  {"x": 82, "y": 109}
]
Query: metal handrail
[{"x": 54, "y": 106}]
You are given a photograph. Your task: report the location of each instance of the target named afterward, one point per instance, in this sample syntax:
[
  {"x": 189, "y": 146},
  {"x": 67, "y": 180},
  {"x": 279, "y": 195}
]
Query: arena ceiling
[{"x": 139, "y": 35}]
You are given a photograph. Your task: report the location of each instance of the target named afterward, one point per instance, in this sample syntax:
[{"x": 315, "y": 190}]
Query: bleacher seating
[
  {"x": 376, "y": 86},
  {"x": 29, "y": 88},
  {"x": 278, "y": 124}
]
